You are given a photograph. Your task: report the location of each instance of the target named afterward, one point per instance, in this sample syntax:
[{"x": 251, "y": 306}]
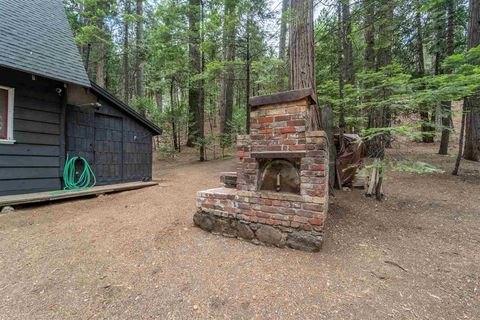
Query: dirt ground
[{"x": 136, "y": 255}]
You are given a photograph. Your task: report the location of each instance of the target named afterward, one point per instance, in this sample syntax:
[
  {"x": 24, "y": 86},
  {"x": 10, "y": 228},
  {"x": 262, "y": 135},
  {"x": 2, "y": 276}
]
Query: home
[{"x": 50, "y": 110}]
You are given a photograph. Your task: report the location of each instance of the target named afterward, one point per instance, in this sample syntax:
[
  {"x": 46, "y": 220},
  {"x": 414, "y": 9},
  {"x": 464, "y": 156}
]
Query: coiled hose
[{"x": 86, "y": 179}]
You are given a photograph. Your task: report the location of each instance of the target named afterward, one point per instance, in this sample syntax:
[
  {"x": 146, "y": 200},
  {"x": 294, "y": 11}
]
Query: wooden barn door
[{"x": 108, "y": 149}]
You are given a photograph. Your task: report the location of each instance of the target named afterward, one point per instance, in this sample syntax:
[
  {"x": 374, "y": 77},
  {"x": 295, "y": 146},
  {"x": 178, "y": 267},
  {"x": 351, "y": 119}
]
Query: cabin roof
[{"x": 36, "y": 38}]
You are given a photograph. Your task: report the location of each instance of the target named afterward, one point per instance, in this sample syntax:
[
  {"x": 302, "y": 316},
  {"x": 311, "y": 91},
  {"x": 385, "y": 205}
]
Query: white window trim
[{"x": 11, "y": 96}]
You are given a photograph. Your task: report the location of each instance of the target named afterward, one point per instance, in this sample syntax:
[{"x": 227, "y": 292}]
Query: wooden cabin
[{"x": 49, "y": 109}]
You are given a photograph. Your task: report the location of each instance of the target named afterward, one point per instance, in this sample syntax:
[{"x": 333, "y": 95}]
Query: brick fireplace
[{"x": 279, "y": 194}]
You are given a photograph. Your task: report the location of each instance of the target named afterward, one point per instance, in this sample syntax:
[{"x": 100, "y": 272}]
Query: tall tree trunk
[
  {"x": 247, "y": 71},
  {"x": 369, "y": 53},
  {"x": 385, "y": 34},
  {"x": 126, "y": 67},
  {"x": 282, "y": 47},
  {"x": 159, "y": 100},
  {"x": 460, "y": 145},
  {"x": 140, "y": 92},
  {"x": 302, "y": 55},
  {"x": 447, "y": 105},
  {"x": 341, "y": 68},
  {"x": 195, "y": 70},
  {"x": 228, "y": 79},
  {"x": 100, "y": 67},
  {"x": 427, "y": 130},
  {"x": 347, "y": 71},
  {"x": 472, "y": 104},
  {"x": 176, "y": 145},
  {"x": 302, "y": 71},
  {"x": 382, "y": 114},
  {"x": 369, "y": 26},
  {"x": 201, "y": 106},
  {"x": 347, "y": 43}
]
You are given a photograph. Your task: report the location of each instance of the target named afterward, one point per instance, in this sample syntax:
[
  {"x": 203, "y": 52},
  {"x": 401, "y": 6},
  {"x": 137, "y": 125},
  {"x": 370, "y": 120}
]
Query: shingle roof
[{"x": 35, "y": 37}]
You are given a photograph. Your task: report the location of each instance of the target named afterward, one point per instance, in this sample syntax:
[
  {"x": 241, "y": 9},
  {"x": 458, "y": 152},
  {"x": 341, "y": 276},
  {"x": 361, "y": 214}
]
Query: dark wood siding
[
  {"x": 118, "y": 147},
  {"x": 32, "y": 164},
  {"x": 137, "y": 163}
]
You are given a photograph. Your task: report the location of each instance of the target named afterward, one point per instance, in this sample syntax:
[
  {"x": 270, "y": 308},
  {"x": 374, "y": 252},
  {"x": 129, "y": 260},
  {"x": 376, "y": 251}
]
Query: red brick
[
  {"x": 278, "y": 203},
  {"x": 265, "y": 120},
  {"x": 283, "y": 118},
  {"x": 297, "y": 147},
  {"x": 274, "y": 148},
  {"x": 265, "y": 131},
  {"x": 312, "y": 207},
  {"x": 288, "y": 130},
  {"x": 261, "y": 214},
  {"x": 316, "y": 221},
  {"x": 315, "y": 193},
  {"x": 268, "y": 202},
  {"x": 255, "y": 126},
  {"x": 287, "y": 141},
  {"x": 316, "y": 167},
  {"x": 294, "y": 123}
]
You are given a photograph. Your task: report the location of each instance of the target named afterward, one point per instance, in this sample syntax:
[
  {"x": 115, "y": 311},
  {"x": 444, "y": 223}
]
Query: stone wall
[{"x": 223, "y": 211}]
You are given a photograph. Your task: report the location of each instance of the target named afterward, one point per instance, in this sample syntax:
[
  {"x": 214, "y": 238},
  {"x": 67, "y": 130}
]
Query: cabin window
[{"x": 6, "y": 115}]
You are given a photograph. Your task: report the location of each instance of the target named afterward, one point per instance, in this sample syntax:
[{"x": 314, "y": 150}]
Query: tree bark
[
  {"x": 228, "y": 79},
  {"x": 381, "y": 115},
  {"x": 369, "y": 53},
  {"x": 159, "y": 100},
  {"x": 427, "y": 130},
  {"x": 302, "y": 55},
  {"x": 460, "y": 144},
  {"x": 341, "y": 67},
  {"x": 282, "y": 47},
  {"x": 472, "y": 104},
  {"x": 100, "y": 68},
  {"x": 140, "y": 88},
  {"x": 349, "y": 70},
  {"x": 369, "y": 26},
  {"x": 202, "y": 88},
  {"x": 172, "y": 115},
  {"x": 126, "y": 67},
  {"x": 195, "y": 70},
  {"x": 302, "y": 71},
  {"x": 247, "y": 72},
  {"x": 447, "y": 105},
  {"x": 385, "y": 34}
]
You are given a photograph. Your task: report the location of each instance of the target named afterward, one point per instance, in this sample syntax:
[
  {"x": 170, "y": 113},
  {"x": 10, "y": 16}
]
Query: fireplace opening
[{"x": 280, "y": 175}]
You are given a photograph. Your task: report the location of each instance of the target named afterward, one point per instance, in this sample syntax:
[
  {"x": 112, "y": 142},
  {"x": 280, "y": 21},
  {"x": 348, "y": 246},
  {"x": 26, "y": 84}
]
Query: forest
[{"x": 190, "y": 66}]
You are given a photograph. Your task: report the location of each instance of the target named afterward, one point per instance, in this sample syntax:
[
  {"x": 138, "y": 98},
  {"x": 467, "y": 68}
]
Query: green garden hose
[{"x": 86, "y": 179}]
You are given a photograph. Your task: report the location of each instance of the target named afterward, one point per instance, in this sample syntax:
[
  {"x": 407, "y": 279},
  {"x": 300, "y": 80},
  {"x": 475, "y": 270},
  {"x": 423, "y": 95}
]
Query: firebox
[
  {"x": 279, "y": 194},
  {"x": 279, "y": 175}
]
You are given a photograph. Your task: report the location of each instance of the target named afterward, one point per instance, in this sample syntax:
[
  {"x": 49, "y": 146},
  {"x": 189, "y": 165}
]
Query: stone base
[{"x": 259, "y": 233}]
